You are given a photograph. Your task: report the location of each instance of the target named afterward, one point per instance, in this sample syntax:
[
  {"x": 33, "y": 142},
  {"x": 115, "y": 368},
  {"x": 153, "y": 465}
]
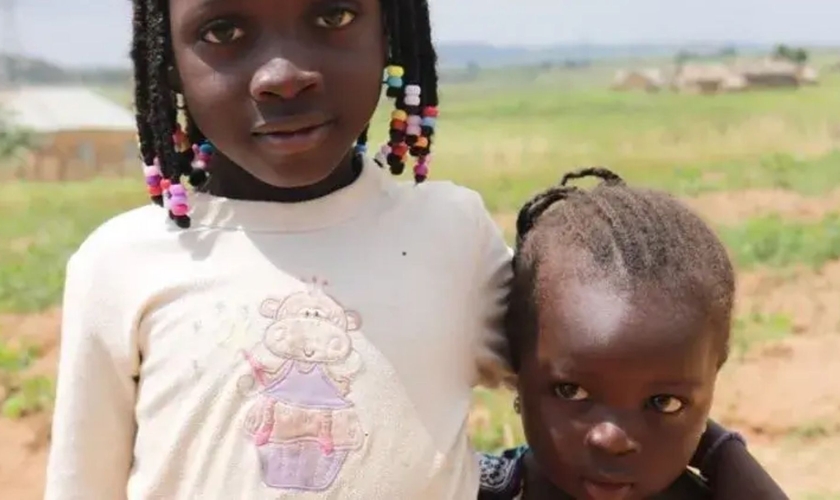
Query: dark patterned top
[{"x": 502, "y": 478}]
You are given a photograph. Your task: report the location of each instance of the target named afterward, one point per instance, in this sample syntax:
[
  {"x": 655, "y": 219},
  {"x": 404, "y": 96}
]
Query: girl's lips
[
  {"x": 601, "y": 490},
  {"x": 291, "y": 141}
]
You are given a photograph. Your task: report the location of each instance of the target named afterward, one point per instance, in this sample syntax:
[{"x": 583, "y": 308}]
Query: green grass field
[{"x": 510, "y": 140}]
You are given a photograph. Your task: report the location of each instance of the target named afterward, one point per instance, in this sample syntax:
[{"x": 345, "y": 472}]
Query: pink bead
[
  {"x": 204, "y": 157},
  {"x": 414, "y": 120},
  {"x": 179, "y": 209},
  {"x": 196, "y": 150},
  {"x": 199, "y": 164},
  {"x": 177, "y": 190},
  {"x": 421, "y": 169},
  {"x": 151, "y": 171},
  {"x": 414, "y": 130}
]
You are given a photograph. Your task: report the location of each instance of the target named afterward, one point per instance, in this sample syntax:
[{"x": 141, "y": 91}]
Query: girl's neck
[{"x": 229, "y": 180}]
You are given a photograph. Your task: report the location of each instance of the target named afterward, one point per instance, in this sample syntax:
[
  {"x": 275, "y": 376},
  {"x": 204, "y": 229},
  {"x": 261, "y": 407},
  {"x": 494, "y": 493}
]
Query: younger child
[{"x": 619, "y": 322}]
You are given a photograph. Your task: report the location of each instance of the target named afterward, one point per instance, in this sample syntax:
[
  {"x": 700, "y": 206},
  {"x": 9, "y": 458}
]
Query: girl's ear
[{"x": 174, "y": 80}]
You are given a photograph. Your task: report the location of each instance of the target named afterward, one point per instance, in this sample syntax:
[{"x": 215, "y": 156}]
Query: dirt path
[
  {"x": 733, "y": 207},
  {"x": 25, "y": 442}
]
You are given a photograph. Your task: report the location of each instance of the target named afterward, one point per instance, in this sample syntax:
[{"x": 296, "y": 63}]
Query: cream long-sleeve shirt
[{"x": 316, "y": 350}]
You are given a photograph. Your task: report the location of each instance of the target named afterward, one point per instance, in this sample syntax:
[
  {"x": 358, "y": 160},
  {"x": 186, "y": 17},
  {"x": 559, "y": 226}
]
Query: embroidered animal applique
[{"x": 300, "y": 420}]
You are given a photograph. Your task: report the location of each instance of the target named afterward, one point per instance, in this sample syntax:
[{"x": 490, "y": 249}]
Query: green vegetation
[
  {"x": 775, "y": 242},
  {"x": 754, "y": 329},
  {"x": 12, "y": 140},
  {"x": 42, "y": 225},
  {"x": 21, "y": 395}
]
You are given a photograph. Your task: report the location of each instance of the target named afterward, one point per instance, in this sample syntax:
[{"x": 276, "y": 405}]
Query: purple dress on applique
[{"x": 305, "y": 464}]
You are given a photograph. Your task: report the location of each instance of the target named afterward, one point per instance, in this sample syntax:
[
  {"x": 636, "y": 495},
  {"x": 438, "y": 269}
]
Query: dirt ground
[{"x": 784, "y": 394}]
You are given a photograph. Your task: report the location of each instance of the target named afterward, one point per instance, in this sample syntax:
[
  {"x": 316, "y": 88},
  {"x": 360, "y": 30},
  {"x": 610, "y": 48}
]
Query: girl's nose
[
  {"x": 611, "y": 439},
  {"x": 282, "y": 78}
]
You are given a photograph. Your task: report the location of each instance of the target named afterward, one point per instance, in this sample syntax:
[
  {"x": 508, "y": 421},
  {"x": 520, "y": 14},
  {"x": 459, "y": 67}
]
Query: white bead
[
  {"x": 412, "y": 90},
  {"x": 412, "y": 100}
]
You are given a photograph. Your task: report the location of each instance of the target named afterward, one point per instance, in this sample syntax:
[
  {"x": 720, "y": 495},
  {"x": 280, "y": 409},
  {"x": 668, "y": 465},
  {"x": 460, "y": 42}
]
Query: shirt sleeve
[
  {"x": 492, "y": 283},
  {"x": 93, "y": 424}
]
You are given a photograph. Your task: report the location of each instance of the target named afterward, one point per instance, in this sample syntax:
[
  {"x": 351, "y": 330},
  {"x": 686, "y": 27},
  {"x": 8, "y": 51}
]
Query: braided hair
[
  {"x": 635, "y": 238},
  {"x": 173, "y": 147}
]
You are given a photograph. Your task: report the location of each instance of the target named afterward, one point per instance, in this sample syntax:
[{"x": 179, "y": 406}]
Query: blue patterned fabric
[{"x": 501, "y": 475}]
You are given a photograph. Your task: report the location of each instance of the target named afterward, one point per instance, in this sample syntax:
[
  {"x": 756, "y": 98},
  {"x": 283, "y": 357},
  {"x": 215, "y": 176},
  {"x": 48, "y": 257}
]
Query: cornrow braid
[
  {"x": 633, "y": 237},
  {"x": 171, "y": 150}
]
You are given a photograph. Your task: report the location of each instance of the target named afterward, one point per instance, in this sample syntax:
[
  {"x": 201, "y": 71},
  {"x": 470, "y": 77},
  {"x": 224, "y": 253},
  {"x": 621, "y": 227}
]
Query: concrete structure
[
  {"x": 647, "y": 80},
  {"x": 78, "y": 132}
]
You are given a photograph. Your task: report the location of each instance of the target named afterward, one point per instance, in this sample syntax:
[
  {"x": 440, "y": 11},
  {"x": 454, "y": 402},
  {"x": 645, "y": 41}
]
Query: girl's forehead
[
  {"x": 600, "y": 318},
  {"x": 598, "y": 308}
]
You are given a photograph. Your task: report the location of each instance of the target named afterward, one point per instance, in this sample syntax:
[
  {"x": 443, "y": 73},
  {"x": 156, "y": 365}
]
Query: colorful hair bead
[
  {"x": 412, "y": 95},
  {"x": 420, "y": 146},
  {"x": 396, "y": 157},
  {"x": 421, "y": 169},
  {"x": 153, "y": 179},
  {"x": 202, "y": 154},
  {"x": 394, "y": 80}
]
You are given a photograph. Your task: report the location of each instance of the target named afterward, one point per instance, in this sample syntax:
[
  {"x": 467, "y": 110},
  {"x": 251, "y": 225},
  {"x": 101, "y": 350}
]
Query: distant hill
[
  {"x": 461, "y": 55},
  {"x": 451, "y": 56},
  {"x": 38, "y": 72}
]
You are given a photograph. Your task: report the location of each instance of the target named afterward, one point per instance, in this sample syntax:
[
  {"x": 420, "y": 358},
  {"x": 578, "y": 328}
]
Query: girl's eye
[
  {"x": 222, "y": 32},
  {"x": 336, "y": 19},
  {"x": 666, "y": 404},
  {"x": 571, "y": 392}
]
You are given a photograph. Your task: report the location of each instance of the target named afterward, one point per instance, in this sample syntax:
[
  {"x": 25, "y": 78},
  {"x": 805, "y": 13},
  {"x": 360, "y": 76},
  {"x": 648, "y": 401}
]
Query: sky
[{"x": 97, "y": 32}]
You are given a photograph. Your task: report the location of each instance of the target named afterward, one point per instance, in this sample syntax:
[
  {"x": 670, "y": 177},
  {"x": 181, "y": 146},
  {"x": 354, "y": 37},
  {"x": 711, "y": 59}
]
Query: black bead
[
  {"x": 397, "y": 136},
  {"x": 198, "y": 177}
]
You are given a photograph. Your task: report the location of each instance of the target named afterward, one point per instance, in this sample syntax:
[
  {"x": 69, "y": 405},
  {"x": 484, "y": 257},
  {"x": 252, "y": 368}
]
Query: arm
[
  {"x": 733, "y": 473},
  {"x": 93, "y": 424},
  {"x": 492, "y": 280}
]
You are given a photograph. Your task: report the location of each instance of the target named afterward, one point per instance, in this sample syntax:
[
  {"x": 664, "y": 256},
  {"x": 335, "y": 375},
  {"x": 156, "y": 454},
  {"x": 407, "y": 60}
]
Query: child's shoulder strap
[{"x": 501, "y": 475}]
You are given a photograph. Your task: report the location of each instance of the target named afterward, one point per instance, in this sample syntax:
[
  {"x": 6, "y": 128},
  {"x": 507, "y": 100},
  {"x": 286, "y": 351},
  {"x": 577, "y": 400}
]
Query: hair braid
[{"x": 635, "y": 238}]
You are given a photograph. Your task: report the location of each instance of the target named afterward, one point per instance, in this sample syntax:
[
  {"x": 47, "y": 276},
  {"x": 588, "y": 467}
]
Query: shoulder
[
  {"x": 122, "y": 234},
  {"x": 443, "y": 199},
  {"x": 689, "y": 486},
  {"x": 501, "y": 475}
]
